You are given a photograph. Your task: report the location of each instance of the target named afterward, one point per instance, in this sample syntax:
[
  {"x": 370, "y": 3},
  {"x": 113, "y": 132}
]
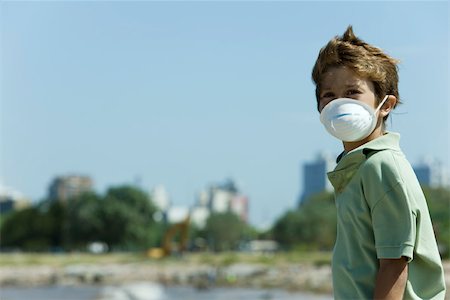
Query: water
[
  {"x": 50, "y": 293},
  {"x": 148, "y": 291}
]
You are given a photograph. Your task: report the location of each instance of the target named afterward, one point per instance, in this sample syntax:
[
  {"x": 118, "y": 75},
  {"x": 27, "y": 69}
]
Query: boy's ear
[{"x": 389, "y": 105}]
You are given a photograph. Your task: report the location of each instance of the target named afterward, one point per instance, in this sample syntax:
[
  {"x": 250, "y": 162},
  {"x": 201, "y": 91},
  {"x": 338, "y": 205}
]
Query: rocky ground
[{"x": 293, "y": 277}]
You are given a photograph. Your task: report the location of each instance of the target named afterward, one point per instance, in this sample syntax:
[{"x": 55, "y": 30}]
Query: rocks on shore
[
  {"x": 119, "y": 278},
  {"x": 291, "y": 277}
]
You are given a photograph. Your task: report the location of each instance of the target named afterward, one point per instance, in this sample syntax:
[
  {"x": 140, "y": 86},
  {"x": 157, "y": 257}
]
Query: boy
[{"x": 385, "y": 246}]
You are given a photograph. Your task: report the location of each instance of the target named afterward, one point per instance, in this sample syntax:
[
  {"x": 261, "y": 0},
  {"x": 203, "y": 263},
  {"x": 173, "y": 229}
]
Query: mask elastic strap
[{"x": 381, "y": 104}]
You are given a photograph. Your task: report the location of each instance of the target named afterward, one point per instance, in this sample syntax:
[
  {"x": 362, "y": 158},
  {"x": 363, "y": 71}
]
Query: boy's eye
[
  {"x": 327, "y": 95},
  {"x": 353, "y": 92}
]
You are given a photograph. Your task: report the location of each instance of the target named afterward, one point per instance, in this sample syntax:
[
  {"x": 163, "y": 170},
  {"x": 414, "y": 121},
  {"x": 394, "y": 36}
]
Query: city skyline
[
  {"x": 190, "y": 93},
  {"x": 429, "y": 172}
]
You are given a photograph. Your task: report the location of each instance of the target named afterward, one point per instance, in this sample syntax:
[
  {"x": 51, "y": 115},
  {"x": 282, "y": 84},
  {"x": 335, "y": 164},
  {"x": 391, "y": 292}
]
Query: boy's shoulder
[
  {"x": 384, "y": 164},
  {"x": 388, "y": 171},
  {"x": 383, "y": 156}
]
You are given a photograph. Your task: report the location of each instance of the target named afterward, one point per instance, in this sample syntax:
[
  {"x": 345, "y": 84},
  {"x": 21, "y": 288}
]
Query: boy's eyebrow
[{"x": 350, "y": 85}]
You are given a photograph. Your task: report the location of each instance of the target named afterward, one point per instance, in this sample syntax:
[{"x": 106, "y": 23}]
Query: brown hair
[{"x": 366, "y": 60}]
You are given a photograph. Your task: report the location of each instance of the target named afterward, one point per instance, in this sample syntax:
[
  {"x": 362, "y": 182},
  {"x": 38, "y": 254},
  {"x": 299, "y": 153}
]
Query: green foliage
[
  {"x": 83, "y": 222},
  {"x": 312, "y": 225},
  {"x": 56, "y": 218},
  {"x": 224, "y": 231},
  {"x": 438, "y": 200},
  {"x": 34, "y": 228},
  {"x": 129, "y": 215},
  {"x": 123, "y": 219}
]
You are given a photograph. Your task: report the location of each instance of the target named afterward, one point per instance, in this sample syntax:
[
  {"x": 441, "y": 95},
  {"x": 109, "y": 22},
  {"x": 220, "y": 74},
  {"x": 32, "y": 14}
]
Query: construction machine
[{"x": 169, "y": 244}]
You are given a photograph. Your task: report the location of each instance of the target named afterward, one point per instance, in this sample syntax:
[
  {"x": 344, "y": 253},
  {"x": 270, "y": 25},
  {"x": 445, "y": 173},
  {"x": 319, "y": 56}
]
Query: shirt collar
[
  {"x": 348, "y": 163},
  {"x": 389, "y": 140}
]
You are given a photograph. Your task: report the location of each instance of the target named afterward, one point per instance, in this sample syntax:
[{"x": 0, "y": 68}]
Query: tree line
[
  {"x": 313, "y": 224},
  {"x": 124, "y": 219}
]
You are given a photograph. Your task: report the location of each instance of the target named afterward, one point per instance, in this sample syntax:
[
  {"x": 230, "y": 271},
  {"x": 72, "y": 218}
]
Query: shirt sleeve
[{"x": 394, "y": 224}]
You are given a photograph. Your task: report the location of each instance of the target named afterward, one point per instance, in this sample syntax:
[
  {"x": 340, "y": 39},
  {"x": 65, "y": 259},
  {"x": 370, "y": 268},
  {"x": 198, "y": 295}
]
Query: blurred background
[{"x": 168, "y": 134}]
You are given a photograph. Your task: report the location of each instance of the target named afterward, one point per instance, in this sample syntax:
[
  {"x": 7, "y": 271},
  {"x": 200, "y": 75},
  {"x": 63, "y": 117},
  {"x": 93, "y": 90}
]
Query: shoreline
[
  {"x": 201, "y": 271},
  {"x": 298, "y": 272},
  {"x": 292, "y": 278}
]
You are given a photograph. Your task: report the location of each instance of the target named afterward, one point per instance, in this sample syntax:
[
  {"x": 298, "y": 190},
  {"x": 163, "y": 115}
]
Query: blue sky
[{"x": 187, "y": 94}]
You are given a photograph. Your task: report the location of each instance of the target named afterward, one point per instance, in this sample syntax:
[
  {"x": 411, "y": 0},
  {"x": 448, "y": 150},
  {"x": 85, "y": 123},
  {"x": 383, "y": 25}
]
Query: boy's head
[{"x": 365, "y": 60}]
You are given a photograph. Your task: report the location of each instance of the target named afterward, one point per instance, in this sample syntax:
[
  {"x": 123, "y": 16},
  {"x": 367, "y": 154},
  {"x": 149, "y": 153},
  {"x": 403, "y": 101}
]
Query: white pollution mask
[{"x": 349, "y": 120}]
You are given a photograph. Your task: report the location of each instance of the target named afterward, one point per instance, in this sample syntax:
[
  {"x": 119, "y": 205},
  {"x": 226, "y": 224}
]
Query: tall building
[
  {"x": 217, "y": 198},
  {"x": 220, "y": 198},
  {"x": 199, "y": 216},
  {"x": 177, "y": 214},
  {"x": 63, "y": 188},
  {"x": 315, "y": 178},
  {"x": 160, "y": 198},
  {"x": 239, "y": 205},
  {"x": 431, "y": 172}
]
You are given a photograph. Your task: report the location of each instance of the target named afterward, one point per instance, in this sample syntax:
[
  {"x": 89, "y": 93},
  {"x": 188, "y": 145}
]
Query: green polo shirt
[{"x": 382, "y": 213}]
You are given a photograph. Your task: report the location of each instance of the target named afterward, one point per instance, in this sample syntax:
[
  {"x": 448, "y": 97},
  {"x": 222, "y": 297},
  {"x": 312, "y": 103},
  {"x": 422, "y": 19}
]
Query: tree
[
  {"x": 127, "y": 213},
  {"x": 34, "y": 228},
  {"x": 313, "y": 224},
  {"x": 123, "y": 218},
  {"x": 55, "y": 215},
  {"x": 83, "y": 223},
  {"x": 438, "y": 200},
  {"x": 224, "y": 231}
]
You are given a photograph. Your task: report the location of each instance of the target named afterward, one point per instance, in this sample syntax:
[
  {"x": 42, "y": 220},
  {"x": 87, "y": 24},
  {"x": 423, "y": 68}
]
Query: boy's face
[{"x": 342, "y": 82}]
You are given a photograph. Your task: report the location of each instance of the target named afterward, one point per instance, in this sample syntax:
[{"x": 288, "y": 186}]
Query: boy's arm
[{"x": 391, "y": 279}]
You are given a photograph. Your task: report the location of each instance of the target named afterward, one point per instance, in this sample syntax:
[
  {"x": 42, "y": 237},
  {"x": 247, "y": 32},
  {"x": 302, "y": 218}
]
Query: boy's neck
[{"x": 349, "y": 146}]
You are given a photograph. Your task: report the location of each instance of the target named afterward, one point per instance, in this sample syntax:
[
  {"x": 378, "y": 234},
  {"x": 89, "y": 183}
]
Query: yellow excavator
[{"x": 168, "y": 242}]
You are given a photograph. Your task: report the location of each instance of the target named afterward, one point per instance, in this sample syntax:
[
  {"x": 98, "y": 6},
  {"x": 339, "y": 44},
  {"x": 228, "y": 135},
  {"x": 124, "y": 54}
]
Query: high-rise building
[
  {"x": 177, "y": 214},
  {"x": 63, "y": 188},
  {"x": 160, "y": 198},
  {"x": 431, "y": 172},
  {"x": 199, "y": 216},
  {"x": 315, "y": 178},
  {"x": 221, "y": 198},
  {"x": 239, "y": 205},
  {"x": 217, "y": 198}
]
